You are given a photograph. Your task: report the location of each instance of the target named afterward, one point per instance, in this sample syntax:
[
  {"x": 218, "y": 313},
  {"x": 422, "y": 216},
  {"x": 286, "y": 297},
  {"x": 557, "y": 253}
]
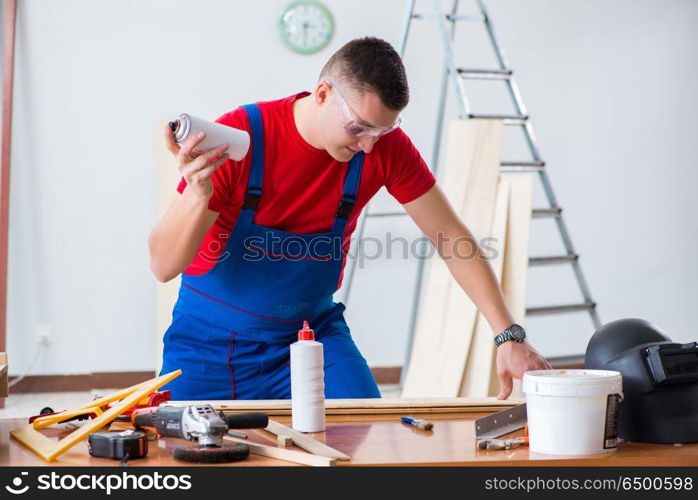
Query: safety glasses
[{"x": 352, "y": 123}]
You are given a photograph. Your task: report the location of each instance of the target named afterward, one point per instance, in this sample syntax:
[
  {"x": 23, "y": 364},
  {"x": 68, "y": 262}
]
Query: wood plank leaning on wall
[
  {"x": 7, "y": 92},
  {"x": 5, "y": 147},
  {"x": 454, "y": 353},
  {"x": 480, "y": 377},
  {"x": 477, "y": 370},
  {"x": 515, "y": 271},
  {"x": 447, "y": 317},
  {"x": 4, "y": 392}
]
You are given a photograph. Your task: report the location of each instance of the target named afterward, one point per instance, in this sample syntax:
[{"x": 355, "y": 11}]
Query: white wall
[{"x": 609, "y": 86}]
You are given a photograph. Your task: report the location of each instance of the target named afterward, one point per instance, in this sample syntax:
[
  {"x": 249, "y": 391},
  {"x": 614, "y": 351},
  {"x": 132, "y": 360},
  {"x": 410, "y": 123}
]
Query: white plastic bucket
[{"x": 572, "y": 412}]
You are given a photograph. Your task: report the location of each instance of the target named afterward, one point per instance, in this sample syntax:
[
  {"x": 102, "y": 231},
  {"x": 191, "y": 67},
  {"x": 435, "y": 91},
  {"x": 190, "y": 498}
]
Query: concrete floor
[{"x": 26, "y": 405}]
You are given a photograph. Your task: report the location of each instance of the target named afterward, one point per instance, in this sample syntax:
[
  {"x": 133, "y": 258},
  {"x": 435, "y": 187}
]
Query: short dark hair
[{"x": 371, "y": 64}]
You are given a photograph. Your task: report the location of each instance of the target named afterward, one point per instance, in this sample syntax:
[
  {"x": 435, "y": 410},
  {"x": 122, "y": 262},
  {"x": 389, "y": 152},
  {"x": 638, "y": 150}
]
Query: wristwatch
[{"x": 514, "y": 332}]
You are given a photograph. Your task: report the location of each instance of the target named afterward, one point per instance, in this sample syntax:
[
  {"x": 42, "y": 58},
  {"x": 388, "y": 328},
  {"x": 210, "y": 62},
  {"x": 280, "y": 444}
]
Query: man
[{"x": 261, "y": 243}]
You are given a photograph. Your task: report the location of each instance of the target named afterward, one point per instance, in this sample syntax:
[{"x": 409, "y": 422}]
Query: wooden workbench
[{"x": 374, "y": 440}]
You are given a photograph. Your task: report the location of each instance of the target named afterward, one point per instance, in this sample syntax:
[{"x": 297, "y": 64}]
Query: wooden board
[
  {"x": 5, "y": 154},
  {"x": 515, "y": 270},
  {"x": 374, "y": 411},
  {"x": 366, "y": 406},
  {"x": 287, "y": 455},
  {"x": 284, "y": 441},
  {"x": 481, "y": 356},
  {"x": 447, "y": 316},
  {"x": 307, "y": 442},
  {"x": 4, "y": 388}
]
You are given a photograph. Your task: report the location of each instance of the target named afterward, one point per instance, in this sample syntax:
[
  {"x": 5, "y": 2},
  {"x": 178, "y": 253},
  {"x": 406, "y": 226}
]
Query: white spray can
[
  {"x": 216, "y": 134},
  {"x": 307, "y": 383}
]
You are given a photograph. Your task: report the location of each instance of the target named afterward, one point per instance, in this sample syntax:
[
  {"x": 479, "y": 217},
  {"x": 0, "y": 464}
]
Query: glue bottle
[{"x": 307, "y": 383}]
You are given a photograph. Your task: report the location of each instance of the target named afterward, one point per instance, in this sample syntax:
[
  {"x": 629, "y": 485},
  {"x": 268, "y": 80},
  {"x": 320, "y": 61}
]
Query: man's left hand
[{"x": 513, "y": 360}]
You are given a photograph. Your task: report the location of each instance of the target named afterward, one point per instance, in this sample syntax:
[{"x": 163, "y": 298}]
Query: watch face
[
  {"x": 306, "y": 26},
  {"x": 518, "y": 333}
]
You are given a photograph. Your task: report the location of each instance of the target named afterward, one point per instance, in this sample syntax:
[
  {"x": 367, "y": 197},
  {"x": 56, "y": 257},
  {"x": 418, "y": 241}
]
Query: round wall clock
[{"x": 306, "y": 26}]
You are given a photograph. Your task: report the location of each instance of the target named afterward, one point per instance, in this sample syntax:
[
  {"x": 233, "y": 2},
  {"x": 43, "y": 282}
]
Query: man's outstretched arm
[{"x": 456, "y": 245}]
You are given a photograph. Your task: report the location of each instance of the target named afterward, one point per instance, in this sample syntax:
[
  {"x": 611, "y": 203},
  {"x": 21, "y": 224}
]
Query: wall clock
[{"x": 306, "y": 26}]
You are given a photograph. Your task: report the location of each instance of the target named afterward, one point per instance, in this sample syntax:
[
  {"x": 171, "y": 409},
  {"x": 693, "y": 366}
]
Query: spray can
[
  {"x": 216, "y": 134},
  {"x": 307, "y": 382}
]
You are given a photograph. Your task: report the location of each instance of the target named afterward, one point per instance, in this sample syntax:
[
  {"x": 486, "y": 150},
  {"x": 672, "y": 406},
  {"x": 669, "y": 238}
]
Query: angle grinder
[{"x": 199, "y": 423}]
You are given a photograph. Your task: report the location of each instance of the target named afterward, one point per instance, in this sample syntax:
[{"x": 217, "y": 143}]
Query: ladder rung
[
  {"x": 449, "y": 17},
  {"x": 539, "y": 213},
  {"x": 548, "y": 261},
  {"x": 539, "y": 311},
  {"x": 522, "y": 166},
  {"x": 465, "y": 17},
  {"x": 386, "y": 214},
  {"x": 507, "y": 119},
  {"x": 485, "y": 74}
]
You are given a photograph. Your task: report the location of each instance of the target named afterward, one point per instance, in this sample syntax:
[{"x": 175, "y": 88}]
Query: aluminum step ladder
[{"x": 447, "y": 24}]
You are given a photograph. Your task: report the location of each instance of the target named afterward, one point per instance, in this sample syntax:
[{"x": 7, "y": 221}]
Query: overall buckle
[
  {"x": 346, "y": 206},
  {"x": 252, "y": 198}
]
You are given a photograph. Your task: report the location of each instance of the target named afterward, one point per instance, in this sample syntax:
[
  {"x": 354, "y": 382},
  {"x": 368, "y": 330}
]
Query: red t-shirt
[{"x": 302, "y": 185}]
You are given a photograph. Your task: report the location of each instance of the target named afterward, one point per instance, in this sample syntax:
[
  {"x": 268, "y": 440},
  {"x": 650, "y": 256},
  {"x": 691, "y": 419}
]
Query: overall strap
[
  {"x": 254, "y": 184},
  {"x": 351, "y": 186}
]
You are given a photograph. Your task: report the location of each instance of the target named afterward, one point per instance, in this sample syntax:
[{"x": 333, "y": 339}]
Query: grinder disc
[{"x": 211, "y": 454}]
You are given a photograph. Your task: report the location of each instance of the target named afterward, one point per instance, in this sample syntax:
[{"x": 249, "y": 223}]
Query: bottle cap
[{"x": 306, "y": 333}]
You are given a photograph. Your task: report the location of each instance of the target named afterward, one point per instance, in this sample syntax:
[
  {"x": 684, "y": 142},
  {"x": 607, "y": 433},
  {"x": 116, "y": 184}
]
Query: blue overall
[{"x": 232, "y": 326}]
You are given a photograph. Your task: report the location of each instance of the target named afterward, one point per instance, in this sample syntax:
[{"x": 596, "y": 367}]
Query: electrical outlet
[{"x": 44, "y": 334}]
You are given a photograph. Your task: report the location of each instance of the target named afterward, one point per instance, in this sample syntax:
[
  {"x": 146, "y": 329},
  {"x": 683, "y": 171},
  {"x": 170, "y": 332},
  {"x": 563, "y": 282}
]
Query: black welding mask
[{"x": 660, "y": 380}]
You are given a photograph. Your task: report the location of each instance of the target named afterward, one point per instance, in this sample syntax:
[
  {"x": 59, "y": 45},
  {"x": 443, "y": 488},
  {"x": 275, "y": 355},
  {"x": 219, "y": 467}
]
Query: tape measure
[{"x": 118, "y": 444}]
